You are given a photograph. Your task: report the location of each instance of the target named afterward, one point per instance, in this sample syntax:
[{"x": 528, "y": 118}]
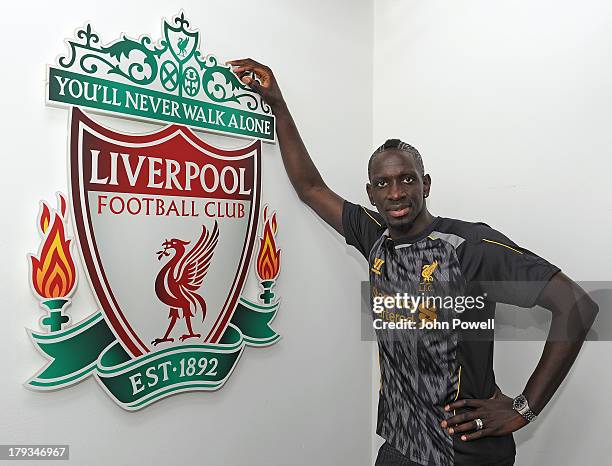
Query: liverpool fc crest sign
[{"x": 168, "y": 228}]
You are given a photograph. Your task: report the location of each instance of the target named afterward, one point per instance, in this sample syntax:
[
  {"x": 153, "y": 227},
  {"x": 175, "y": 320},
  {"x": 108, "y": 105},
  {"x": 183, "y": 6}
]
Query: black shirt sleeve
[
  {"x": 362, "y": 227},
  {"x": 506, "y": 272}
]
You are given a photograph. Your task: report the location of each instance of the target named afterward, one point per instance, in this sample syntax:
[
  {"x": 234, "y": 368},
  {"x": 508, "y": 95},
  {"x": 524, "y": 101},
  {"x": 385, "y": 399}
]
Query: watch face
[{"x": 519, "y": 403}]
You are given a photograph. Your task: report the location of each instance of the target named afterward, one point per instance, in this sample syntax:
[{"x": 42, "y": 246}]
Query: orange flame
[
  {"x": 53, "y": 271},
  {"x": 268, "y": 259},
  {"x": 45, "y": 219}
]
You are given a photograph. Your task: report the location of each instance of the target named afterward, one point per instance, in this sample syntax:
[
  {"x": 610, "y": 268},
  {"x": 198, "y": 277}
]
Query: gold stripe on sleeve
[
  {"x": 368, "y": 214},
  {"x": 502, "y": 244}
]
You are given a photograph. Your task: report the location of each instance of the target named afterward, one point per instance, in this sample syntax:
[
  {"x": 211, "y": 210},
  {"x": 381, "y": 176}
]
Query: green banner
[
  {"x": 67, "y": 87},
  {"x": 91, "y": 348}
]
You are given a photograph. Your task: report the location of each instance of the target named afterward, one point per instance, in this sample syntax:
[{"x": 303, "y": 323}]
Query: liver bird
[
  {"x": 182, "y": 46},
  {"x": 428, "y": 271},
  {"x": 178, "y": 281}
]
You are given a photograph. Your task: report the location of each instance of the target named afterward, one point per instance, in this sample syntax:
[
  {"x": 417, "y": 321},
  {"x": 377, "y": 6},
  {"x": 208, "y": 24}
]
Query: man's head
[{"x": 398, "y": 185}]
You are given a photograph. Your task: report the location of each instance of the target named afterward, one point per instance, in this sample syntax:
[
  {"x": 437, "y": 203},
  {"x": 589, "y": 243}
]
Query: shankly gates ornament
[
  {"x": 168, "y": 81},
  {"x": 167, "y": 227}
]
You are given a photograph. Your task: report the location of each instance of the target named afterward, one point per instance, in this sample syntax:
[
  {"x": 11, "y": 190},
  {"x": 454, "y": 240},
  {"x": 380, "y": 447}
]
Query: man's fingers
[
  {"x": 241, "y": 71},
  {"x": 241, "y": 74},
  {"x": 476, "y": 435},
  {"x": 247, "y": 64},
  {"x": 252, "y": 83},
  {"x": 244, "y": 73},
  {"x": 466, "y": 403},
  {"x": 460, "y": 418},
  {"x": 258, "y": 77},
  {"x": 465, "y": 427}
]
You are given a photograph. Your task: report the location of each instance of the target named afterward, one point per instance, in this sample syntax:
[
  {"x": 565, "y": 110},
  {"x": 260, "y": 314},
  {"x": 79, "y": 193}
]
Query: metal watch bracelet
[{"x": 521, "y": 406}]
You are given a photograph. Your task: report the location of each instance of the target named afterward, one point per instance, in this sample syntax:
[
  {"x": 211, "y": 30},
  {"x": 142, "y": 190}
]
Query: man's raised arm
[{"x": 302, "y": 172}]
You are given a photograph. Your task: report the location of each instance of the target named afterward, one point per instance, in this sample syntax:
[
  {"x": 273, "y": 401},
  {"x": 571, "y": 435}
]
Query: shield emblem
[
  {"x": 166, "y": 225},
  {"x": 181, "y": 42}
]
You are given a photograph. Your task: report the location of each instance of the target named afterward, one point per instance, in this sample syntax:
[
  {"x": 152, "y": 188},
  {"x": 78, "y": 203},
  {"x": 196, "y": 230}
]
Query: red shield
[{"x": 166, "y": 224}]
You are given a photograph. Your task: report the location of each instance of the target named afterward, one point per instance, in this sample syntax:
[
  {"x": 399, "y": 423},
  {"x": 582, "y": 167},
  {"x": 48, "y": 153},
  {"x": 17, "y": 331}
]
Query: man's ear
[
  {"x": 369, "y": 191},
  {"x": 426, "y": 185}
]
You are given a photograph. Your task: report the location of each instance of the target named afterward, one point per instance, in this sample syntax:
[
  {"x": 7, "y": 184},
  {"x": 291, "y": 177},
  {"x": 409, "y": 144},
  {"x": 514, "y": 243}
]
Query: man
[{"x": 439, "y": 404}]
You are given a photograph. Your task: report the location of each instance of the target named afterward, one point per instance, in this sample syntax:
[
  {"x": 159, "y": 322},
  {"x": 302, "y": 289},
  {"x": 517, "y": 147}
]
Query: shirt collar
[{"x": 411, "y": 239}]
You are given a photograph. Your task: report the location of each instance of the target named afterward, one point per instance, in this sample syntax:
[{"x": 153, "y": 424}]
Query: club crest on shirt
[{"x": 427, "y": 271}]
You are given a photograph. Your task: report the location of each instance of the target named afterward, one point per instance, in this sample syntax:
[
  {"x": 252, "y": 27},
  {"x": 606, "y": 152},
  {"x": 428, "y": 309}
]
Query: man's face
[{"x": 397, "y": 188}]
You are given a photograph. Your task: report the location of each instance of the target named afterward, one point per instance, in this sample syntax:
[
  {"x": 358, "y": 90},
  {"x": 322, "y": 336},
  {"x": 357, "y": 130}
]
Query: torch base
[
  {"x": 267, "y": 296},
  {"x": 56, "y": 318}
]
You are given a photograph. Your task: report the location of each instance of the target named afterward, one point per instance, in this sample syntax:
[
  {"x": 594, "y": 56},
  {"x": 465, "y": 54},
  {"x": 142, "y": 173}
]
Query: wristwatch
[{"x": 520, "y": 405}]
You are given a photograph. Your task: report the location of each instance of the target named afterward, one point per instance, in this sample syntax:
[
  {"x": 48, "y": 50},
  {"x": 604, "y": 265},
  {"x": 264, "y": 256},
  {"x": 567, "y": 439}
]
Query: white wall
[
  {"x": 509, "y": 104},
  {"x": 304, "y": 401}
]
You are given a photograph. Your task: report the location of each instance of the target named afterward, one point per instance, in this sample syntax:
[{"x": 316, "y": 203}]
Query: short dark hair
[{"x": 397, "y": 144}]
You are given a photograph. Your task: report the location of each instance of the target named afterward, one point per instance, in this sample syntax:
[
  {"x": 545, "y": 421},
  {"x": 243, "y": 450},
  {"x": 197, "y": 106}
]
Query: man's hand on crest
[{"x": 259, "y": 78}]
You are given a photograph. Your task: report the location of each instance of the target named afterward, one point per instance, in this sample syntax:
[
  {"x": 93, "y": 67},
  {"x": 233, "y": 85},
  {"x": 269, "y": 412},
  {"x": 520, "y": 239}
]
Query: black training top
[{"x": 459, "y": 270}]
